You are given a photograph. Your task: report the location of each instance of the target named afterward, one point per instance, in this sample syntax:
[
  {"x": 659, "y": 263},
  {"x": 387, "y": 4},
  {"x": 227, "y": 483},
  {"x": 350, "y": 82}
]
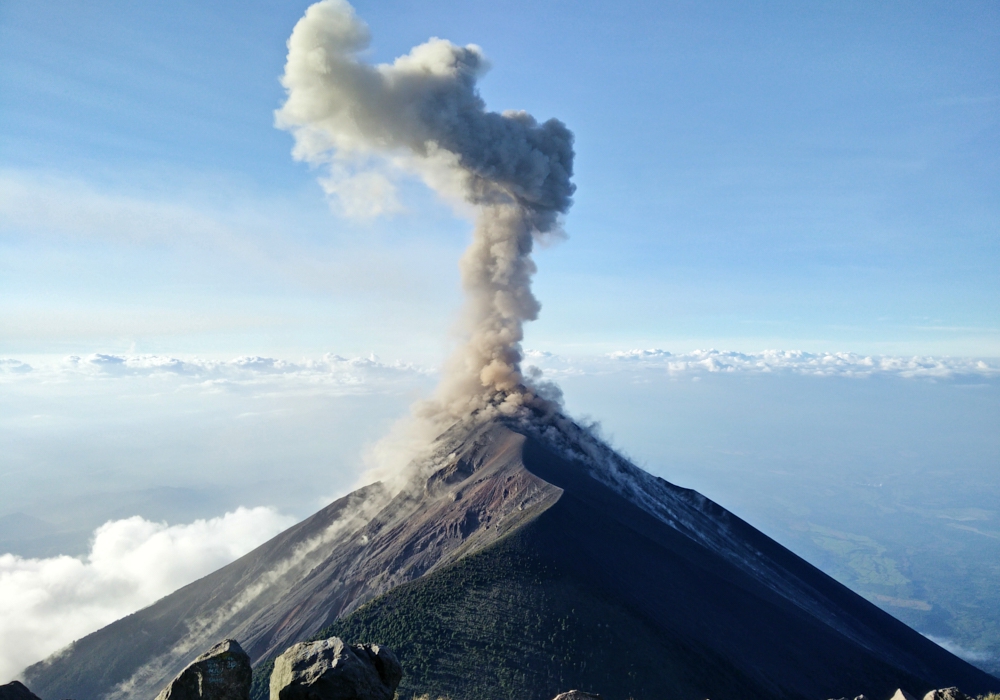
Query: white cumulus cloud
[
  {"x": 833, "y": 364},
  {"x": 47, "y": 603},
  {"x": 247, "y": 369}
]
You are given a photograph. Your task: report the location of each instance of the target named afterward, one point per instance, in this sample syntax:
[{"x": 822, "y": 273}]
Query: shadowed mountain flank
[{"x": 524, "y": 559}]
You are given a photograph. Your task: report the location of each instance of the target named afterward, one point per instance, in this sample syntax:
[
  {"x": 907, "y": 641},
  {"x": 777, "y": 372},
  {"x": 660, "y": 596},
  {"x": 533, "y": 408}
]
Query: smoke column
[{"x": 423, "y": 114}]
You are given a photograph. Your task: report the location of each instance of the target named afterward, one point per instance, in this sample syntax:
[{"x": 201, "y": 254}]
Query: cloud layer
[
  {"x": 330, "y": 370},
  {"x": 824, "y": 364},
  {"x": 47, "y": 603},
  {"x": 372, "y": 374}
]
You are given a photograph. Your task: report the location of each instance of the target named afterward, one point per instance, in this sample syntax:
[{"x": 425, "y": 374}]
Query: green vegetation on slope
[
  {"x": 503, "y": 624},
  {"x": 864, "y": 556}
]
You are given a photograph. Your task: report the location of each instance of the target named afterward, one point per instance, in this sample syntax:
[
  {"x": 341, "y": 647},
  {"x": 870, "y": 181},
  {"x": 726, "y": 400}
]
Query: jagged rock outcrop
[
  {"x": 946, "y": 694},
  {"x": 221, "y": 673},
  {"x": 903, "y": 695},
  {"x": 15, "y": 690},
  {"x": 332, "y": 670},
  {"x": 577, "y": 695}
]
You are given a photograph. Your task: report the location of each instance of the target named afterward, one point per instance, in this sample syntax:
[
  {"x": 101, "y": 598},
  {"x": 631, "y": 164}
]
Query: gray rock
[
  {"x": 903, "y": 695},
  {"x": 577, "y": 695},
  {"x": 332, "y": 670},
  {"x": 221, "y": 673},
  {"x": 15, "y": 690},
  {"x": 946, "y": 694}
]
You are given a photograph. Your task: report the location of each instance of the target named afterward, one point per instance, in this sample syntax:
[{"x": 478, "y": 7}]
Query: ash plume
[{"x": 423, "y": 114}]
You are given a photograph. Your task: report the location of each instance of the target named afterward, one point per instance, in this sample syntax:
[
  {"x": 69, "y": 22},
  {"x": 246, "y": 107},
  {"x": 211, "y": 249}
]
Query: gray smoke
[{"x": 423, "y": 114}]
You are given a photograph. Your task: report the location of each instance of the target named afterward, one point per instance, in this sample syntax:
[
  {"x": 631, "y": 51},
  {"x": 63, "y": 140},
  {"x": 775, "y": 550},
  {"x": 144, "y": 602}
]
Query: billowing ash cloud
[{"x": 423, "y": 113}]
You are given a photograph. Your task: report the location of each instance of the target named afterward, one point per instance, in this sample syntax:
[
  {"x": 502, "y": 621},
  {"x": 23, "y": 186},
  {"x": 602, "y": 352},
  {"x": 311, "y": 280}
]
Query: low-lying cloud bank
[
  {"x": 330, "y": 370},
  {"x": 47, "y": 603},
  {"x": 371, "y": 373},
  {"x": 826, "y": 364}
]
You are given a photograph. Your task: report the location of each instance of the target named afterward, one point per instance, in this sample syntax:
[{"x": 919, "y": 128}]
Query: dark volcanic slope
[
  {"x": 295, "y": 584},
  {"x": 597, "y": 593},
  {"x": 524, "y": 566},
  {"x": 772, "y": 616}
]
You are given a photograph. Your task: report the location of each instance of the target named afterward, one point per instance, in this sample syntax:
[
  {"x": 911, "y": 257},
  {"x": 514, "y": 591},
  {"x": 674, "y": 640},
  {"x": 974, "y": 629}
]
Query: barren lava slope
[{"x": 532, "y": 559}]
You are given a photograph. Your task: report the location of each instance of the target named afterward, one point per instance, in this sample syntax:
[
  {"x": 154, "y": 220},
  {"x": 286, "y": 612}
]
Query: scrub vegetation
[{"x": 502, "y": 624}]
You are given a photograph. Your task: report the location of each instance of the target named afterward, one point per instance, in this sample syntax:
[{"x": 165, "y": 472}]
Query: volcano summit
[{"x": 522, "y": 558}]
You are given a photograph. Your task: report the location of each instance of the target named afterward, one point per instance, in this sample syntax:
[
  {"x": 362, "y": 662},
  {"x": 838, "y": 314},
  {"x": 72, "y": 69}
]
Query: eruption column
[
  {"x": 496, "y": 273},
  {"x": 423, "y": 114}
]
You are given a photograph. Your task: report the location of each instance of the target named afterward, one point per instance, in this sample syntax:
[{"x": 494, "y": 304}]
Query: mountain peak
[{"x": 528, "y": 535}]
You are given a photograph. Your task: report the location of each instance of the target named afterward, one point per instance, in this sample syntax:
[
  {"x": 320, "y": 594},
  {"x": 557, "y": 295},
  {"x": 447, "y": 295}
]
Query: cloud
[
  {"x": 47, "y": 603},
  {"x": 14, "y": 367},
  {"x": 219, "y": 228},
  {"x": 364, "y": 195},
  {"x": 823, "y": 364},
  {"x": 371, "y": 374},
  {"x": 42, "y": 204},
  {"x": 368, "y": 374}
]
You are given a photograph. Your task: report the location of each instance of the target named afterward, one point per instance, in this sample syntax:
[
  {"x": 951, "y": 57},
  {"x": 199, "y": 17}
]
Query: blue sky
[{"x": 822, "y": 177}]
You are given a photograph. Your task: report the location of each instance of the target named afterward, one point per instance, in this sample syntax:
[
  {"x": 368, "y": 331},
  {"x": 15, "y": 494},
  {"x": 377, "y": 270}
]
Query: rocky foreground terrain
[{"x": 330, "y": 669}]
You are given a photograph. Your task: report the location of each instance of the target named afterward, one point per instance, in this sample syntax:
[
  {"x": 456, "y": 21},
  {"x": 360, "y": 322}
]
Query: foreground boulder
[
  {"x": 15, "y": 690},
  {"x": 946, "y": 694},
  {"x": 577, "y": 695},
  {"x": 332, "y": 670},
  {"x": 221, "y": 673}
]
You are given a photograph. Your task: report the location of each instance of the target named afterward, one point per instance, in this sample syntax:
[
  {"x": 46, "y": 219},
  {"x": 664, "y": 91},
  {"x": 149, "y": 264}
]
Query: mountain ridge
[{"x": 694, "y": 574}]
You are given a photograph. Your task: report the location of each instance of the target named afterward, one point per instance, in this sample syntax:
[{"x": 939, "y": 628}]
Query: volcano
[{"x": 523, "y": 558}]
